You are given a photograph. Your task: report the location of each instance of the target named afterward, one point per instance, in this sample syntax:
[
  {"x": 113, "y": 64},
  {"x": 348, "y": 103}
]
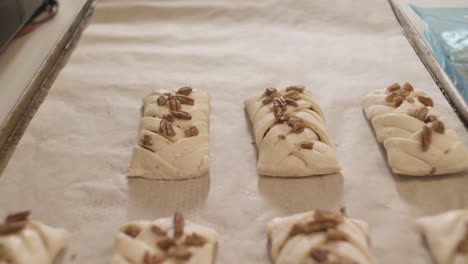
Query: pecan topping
[
  {"x": 326, "y": 256},
  {"x": 292, "y": 95},
  {"x": 410, "y": 100},
  {"x": 299, "y": 89},
  {"x": 158, "y": 230},
  {"x": 169, "y": 117},
  {"x": 336, "y": 235},
  {"x": 343, "y": 211},
  {"x": 291, "y": 102},
  {"x": 394, "y": 87},
  {"x": 195, "y": 240},
  {"x": 146, "y": 141},
  {"x": 155, "y": 259},
  {"x": 319, "y": 255},
  {"x": 323, "y": 220},
  {"x": 183, "y": 99},
  {"x": 438, "y": 126},
  {"x": 419, "y": 113},
  {"x": 426, "y": 138},
  {"x": 179, "y": 223},
  {"x": 181, "y": 115},
  {"x": 191, "y": 131},
  {"x": 166, "y": 243},
  {"x": 270, "y": 92},
  {"x": 389, "y": 98},
  {"x": 174, "y": 105},
  {"x": 282, "y": 137},
  {"x": 132, "y": 231},
  {"x": 297, "y": 125},
  {"x": 12, "y": 227},
  {"x": 430, "y": 118},
  {"x": 463, "y": 244},
  {"x": 408, "y": 87},
  {"x": 162, "y": 101},
  {"x": 166, "y": 128},
  {"x": 267, "y": 99},
  {"x": 308, "y": 145},
  {"x": 17, "y": 217},
  {"x": 425, "y": 100},
  {"x": 181, "y": 254},
  {"x": 184, "y": 91},
  {"x": 279, "y": 109},
  {"x": 398, "y": 100}
]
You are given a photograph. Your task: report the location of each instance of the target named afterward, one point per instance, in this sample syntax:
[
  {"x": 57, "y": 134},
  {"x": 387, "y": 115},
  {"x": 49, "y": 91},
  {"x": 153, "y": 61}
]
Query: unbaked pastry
[
  {"x": 318, "y": 237},
  {"x": 414, "y": 135},
  {"x": 290, "y": 134},
  {"x": 446, "y": 235},
  {"x": 24, "y": 241},
  {"x": 165, "y": 241},
  {"x": 173, "y": 139}
]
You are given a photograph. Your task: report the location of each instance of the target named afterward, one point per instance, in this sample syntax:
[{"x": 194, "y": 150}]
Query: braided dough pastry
[
  {"x": 24, "y": 241},
  {"x": 290, "y": 134},
  {"x": 165, "y": 241},
  {"x": 413, "y": 133},
  {"x": 318, "y": 237},
  {"x": 447, "y": 236},
  {"x": 173, "y": 140}
]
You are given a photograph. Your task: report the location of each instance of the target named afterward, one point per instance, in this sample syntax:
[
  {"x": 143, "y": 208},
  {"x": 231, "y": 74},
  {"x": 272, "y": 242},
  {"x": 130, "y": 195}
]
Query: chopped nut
[
  {"x": 185, "y": 99},
  {"x": 17, "y": 217},
  {"x": 298, "y": 127},
  {"x": 270, "y": 92},
  {"x": 179, "y": 223},
  {"x": 394, "y": 87},
  {"x": 191, "y": 131},
  {"x": 162, "y": 101},
  {"x": 343, "y": 211},
  {"x": 291, "y": 102},
  {"x": 292, "y": 95},
  {"x": 280, "y": 103},
  {"x": 166, "y": 128},
  {"x": 408, "y": 87},
  {"x": 195, "y": 240},
  {"x": 158, "y": 230},
  {"x": 419, "y": 113},
  {"x": 323, "y": 220},
  {"x": 327, "y": 215},
  {"x": 166, "y": 243},
  {"x": 293, "y": 120},
  {"x": 299, "y": 89},
  {"x": 181, "y": 254},
  {"x": 336, "y": 235},
  {"x": 169, "y": 117},
  {"x": 438, "y": 126},
  {"x": 398, "y": 100},
  {"x": 404, "y": 93},
  {"x": 410, "y": 100},
  {"x": 283, "y": 118},
  {"x": 174, "y": 105},
  {"x": 319, "y": 255},
  {"x": 308, "y": 145},
  {"x": 279, "y": 109},
  {"x": 425, "y": 100},
  {"x": 181, "y": 115},
  {"x": 389, "y": 98},
  {"x": 155, "y": 259},
  {"x": 462, "y": 246},
  {"x": 184, "y": 91},
  {"x": 282, "y": 137},
  {"x": 132, "y": 230},
  {"x": 146, "y": 141},
  {"x": 267, "y": 99},
  {"x": 12, "y": 227},
  {"x": 426, "y": 138},
  {"x": 430, "y": 118}
]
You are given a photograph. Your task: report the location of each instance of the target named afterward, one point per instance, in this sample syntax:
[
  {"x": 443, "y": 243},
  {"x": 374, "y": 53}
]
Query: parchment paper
[{"x": 70, "y": 166}]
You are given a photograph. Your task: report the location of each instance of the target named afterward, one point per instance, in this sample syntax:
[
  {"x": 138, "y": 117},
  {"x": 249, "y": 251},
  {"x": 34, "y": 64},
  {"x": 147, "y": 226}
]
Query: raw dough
[
  {"x": 290, "y": 134},
  {"x": 318, "y": 237},
  {"x": 173, "y": 146},
  {"x": 414, "y": 135},
  {"x": 24, "y": 241},
  {"x": 165, "y": 241},
  {"x": 447, "y": 236}
]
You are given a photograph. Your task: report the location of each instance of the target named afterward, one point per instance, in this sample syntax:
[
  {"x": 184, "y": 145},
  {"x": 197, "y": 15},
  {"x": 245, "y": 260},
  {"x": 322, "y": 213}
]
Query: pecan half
[
  {"x": 184, "y": 91},
  {"x": 146, "y": 141},
  {"x": 17, "y": 217},
  {"x": 292, "y": 95},
  {"x": 191, "y": 131},
  {"x": 270, "y": 92},
  {"x": 181, "y": 115},
  {"x": 185, "y": 99},
  {"x": 308, "y": 145},
  {"x": 425, "y": 100},
  {"x": 174, "y": 105},
  {"x": 12, "y": 228},
  {"x": 394, "y": 87},
  {"x": 195, "y": 240},
  {"x": 132, "y": 231},
  {"x": 291, "y": 102},
  {"x": 166, "y": 128},
  {"x": 408, "y": 87},
  {"x": 158, "y": 230},
  {"x": 166, "y": 243},
  {"x": 179, "y": 223},
  {"x": 162, "y": 101},
  {"x": 336, "y": 235},
  {"x": 419, "y": 113},
  {"x": 430, "y": 118},
  {"x": 438, "y": 126},
  {"x": 169, "y": 117},
  {"x": 267, "y": 99},
  {"x": 299, "y": 89},
  {"x": 398, "y": 100},
  {"x": 462, "y": 246},
  {"x": 155, "y": 259},
  {"x": 181, "y": 254},
  {"x": 426, "y": 138},
  {"x": 389, "y": 98}
]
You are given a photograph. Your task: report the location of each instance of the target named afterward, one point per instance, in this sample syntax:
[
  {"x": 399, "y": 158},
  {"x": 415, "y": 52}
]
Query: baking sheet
[{"x": 70, "y": 166}]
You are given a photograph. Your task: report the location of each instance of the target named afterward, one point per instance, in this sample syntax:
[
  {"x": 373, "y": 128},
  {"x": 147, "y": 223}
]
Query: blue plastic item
[{"x": 446, "y": 30}]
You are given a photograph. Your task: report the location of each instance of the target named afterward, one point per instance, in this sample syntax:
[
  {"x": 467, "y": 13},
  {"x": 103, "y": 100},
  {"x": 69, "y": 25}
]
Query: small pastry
[
  {"x": 415, "y": 136},
  {"x": 173, "y": 139},
  {"x": 446, "y": 235},
  {"x": 318, "y": 237},
  {"x": 165, "y": 241},
  {"x": 290, "y": 134},
  {"x": 25, "y": 241}
]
